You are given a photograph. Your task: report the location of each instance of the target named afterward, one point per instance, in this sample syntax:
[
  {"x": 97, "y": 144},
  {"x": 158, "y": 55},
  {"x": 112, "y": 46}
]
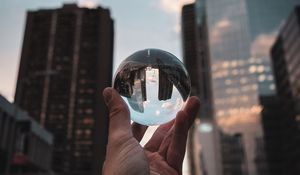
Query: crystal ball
[{"x": 154, "y": 84}]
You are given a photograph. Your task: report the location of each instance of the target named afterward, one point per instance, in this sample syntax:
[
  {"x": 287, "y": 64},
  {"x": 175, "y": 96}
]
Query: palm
[
  {"x": 158, "y": 165},
  {"x": 164, "y": 152}
]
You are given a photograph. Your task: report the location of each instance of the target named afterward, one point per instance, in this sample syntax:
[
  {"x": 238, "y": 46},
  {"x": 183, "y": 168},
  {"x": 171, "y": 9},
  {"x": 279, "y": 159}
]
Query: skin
[{"x": 162, "y": 155}]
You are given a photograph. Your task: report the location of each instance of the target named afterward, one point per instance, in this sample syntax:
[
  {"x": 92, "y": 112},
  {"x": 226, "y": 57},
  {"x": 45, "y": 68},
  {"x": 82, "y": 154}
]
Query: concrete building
[
  {"x": 66, "y": 62},
  {"x": 25, "y": 147}
]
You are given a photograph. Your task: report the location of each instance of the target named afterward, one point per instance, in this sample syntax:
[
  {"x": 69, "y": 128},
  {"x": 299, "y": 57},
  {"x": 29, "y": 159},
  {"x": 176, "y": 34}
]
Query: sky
[{"x": 138, "y": 25}]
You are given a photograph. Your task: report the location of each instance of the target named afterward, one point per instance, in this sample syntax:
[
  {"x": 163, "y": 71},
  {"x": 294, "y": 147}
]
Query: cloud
[
  {"x": 173, "y": 7},
  {"x": 223, "y": 24},
  {"x": 261, "y": 46},
  {"x": 220, "y": 29},
  {"x": 88, "y": 3}
]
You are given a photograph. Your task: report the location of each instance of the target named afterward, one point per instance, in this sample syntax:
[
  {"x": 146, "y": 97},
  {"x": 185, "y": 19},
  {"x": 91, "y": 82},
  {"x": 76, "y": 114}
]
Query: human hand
[{"x": 164, "y": 152}]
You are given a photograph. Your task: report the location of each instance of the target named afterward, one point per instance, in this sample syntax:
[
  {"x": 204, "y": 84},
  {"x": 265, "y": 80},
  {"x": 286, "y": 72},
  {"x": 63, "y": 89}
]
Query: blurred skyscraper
[
  {"x": 233, "y": 154},
  {"x": 188, "y": 28},
  {"x": 240, "y": 35},
  {"x": 286, "y": 62},
  {"x": 66, "y": 62},
  {"x": 196, "y": 59}
]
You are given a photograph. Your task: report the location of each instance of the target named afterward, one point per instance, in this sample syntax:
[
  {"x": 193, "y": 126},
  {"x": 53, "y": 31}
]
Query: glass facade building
[
  {"x": 240, "y": 35},
  {"x": 196, "y": 59}
]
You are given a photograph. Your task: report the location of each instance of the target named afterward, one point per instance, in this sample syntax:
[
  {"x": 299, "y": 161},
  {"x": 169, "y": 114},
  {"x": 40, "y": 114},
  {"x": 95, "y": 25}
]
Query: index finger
[{"x": 183, "y": 122}]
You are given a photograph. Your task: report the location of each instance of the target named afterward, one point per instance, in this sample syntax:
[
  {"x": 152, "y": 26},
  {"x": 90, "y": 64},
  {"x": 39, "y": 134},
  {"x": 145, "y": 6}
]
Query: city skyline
[
  {"x": 233, "y": 47},
  {"x": 159, "y": 19}
]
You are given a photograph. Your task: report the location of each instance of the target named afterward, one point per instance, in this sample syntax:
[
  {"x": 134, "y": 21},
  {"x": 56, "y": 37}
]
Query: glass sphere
[{"x": 154, "y": 84}]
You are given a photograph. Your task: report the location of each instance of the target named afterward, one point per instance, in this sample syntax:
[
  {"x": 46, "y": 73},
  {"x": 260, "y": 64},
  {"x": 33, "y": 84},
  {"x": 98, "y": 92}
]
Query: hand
[{"x": 162, "y": 155}]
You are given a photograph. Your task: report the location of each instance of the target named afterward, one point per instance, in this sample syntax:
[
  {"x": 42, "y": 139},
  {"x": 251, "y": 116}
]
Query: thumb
[{"x": 119, "y": 120}]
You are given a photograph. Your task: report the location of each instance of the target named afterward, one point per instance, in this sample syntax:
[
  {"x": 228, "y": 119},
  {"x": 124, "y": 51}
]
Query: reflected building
[
  {"x": 66, "y": 61},
  {"x": 240, "y": 35},
  {"x": 155, "y": 66},
  {"x": 285, "y": 158}
]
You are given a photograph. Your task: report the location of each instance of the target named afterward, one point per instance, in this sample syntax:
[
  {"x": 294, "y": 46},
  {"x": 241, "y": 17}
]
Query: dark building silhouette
[
  {"x": 66, "y": 62},
  {"x": 233, "y": 154},
  {"x": 286, "y": 61},
  {"x": 260, "y": 158},
  {"x": 273, "y": 125},
  {"x": 189, "y": 44},
  {"x": 25, "y": 147},
  {"x": 188, "y": 29},
  {"x": 195, "y": 56}
]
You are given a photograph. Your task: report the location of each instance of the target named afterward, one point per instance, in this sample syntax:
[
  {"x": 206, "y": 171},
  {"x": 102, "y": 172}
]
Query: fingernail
[{"x": 107, "y": 95}]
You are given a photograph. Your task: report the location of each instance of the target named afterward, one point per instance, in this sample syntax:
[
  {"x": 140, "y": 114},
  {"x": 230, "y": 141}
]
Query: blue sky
[{"x": 138, "y": 25}]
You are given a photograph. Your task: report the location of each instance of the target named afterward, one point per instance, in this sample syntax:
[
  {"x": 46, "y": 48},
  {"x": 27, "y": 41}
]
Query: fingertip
[
  {"x": 192, "y": 106},
  {"x": 107, "y": 94},
  {"x": 195, "y": 101}
]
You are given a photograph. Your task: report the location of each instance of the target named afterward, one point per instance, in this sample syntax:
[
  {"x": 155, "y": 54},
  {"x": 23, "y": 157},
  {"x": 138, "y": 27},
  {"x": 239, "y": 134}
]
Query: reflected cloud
[
  {"x": 157, "y": 112},
  {"x": 240, "y": 120},
  {"x": 146, "y": 103},
  {"x": 260, "y": 47},
  {"x": 167, "y": 105},
  {"x": 152, "y": 79},
  {"x": 220, "y": 29}
]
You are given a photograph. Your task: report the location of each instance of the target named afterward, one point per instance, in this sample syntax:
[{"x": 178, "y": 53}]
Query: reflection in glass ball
[{"x": 154, "y": 84}]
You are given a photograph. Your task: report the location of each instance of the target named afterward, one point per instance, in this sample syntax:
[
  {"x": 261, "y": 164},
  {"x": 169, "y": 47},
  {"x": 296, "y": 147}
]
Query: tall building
[
  {"x": 195, "y": 55},
  {"x": 66, "y": 62},
  {"x": 25, "y": 147},
  {"x": 233, "y": 159},
  {"x": 273, "y": 125},
  {"x": 240, "y": 35},
  {"x": 203, "y": 136},
  {"x": 188, "y": 28},
  {"x": 286, "y": 62}
]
